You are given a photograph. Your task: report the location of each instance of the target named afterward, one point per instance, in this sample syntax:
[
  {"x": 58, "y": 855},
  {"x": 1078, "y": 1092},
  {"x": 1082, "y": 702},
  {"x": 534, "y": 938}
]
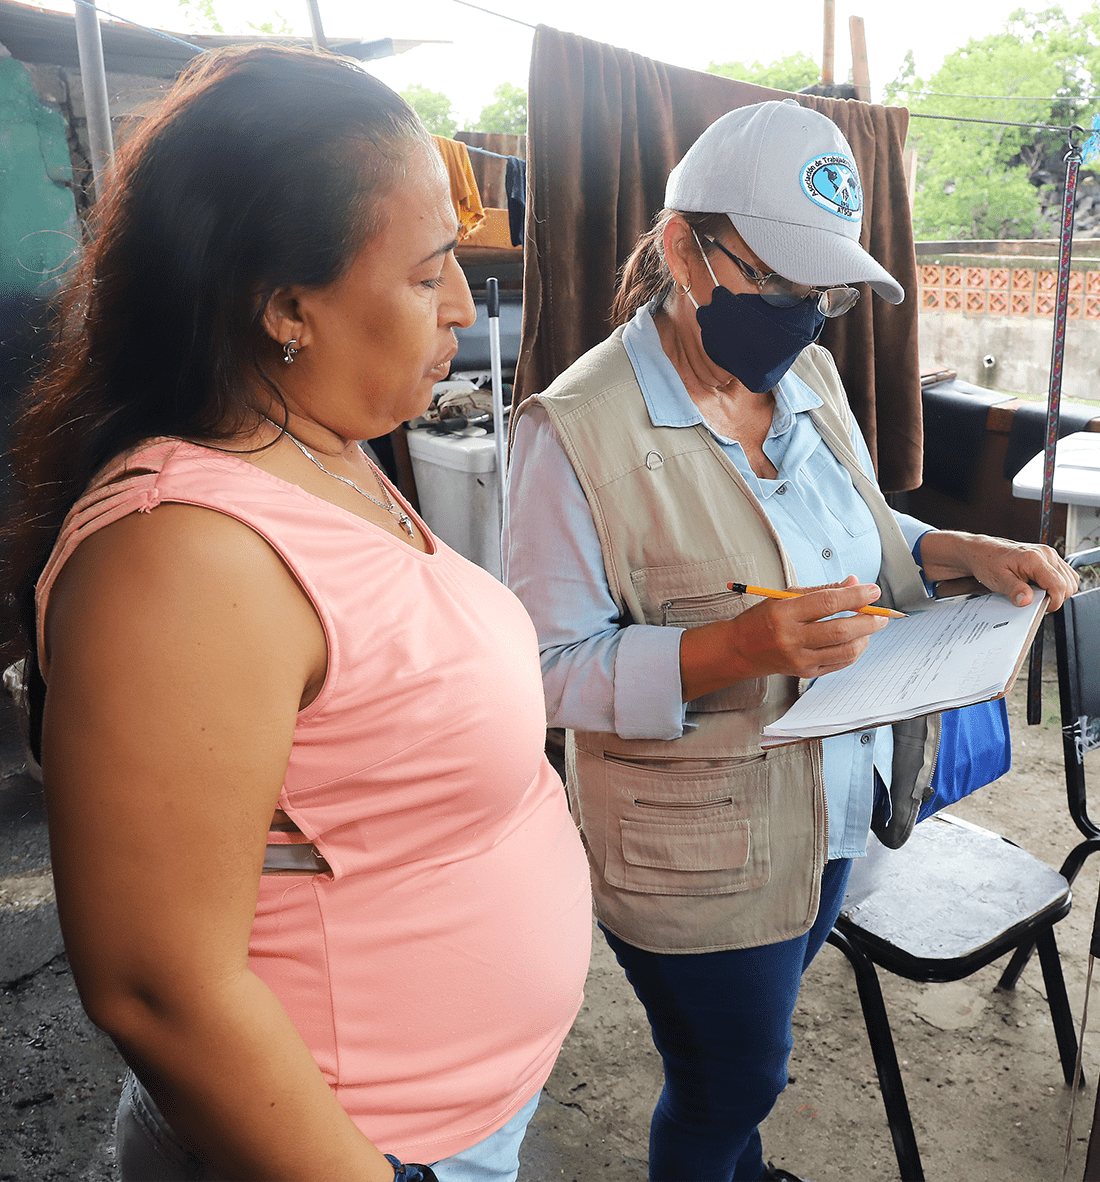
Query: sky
[{"x": 485, "y": 50}]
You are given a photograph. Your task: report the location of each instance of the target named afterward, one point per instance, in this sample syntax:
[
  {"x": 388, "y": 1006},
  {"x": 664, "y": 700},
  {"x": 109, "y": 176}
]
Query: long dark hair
[{"x": 261, "y": 169}]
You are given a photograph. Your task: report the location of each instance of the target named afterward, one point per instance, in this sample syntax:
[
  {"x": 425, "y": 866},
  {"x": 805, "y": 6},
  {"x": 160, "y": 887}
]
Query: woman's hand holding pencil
[
  {"x": 772, "y": 593},
  {"x": 804, "y": 632}
]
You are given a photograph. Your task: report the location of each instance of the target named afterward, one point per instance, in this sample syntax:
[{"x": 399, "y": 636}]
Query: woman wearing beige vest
[{"x": 709, "y": 440}]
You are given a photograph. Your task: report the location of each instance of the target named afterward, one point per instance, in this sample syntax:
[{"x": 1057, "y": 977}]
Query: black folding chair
[
  {"x": 952, "y": 900},
  {"x": 956, "y": 897}
]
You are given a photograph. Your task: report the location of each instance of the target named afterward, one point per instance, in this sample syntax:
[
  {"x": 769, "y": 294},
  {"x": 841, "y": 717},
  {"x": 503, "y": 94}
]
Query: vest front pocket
[
  {"x": 682, "y": 830},
  {"x": 696, "y": 610}
]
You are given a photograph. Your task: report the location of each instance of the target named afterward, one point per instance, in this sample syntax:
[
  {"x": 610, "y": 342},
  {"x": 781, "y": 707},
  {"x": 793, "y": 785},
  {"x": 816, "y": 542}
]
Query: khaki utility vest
[{"x": 705, "y": 842}]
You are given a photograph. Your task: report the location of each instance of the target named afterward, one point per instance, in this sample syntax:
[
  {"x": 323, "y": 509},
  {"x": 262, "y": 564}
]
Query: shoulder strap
[{"x": 112, "y": 495}]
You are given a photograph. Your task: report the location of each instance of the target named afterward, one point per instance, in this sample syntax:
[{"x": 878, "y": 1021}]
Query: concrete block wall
[{"x": 990, "y": 317}]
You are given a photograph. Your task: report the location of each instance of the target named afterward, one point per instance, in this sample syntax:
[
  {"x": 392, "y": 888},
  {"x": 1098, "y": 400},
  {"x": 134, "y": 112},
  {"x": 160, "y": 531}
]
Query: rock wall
[{"x": 38, "y": 223}]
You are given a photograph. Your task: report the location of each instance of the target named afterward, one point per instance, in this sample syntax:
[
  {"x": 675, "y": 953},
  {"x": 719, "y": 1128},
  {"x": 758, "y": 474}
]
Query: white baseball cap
[{"x": 785, "y": 177}]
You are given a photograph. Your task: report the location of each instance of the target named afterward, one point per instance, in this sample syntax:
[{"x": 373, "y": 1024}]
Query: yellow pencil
[{"x": 771, "y": 593}]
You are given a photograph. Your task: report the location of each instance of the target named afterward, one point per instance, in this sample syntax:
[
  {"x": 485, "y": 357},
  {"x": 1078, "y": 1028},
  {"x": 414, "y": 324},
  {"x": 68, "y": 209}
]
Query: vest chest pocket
[
  {"x": 696, "y": 610},
  {"x": 687, "y": 832}
]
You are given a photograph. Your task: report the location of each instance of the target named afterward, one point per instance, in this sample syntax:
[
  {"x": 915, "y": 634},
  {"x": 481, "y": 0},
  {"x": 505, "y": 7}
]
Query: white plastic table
[{"x": 1076, "y": 485}]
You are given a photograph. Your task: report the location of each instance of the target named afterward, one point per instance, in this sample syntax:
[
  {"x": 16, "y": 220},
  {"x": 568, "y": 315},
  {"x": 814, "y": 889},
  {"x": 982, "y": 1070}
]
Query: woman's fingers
[
  {"x": 812, "y": 634},
  {"x": 815, "y": 632},
  {"x": 1011, "y": 568},
  {"x": 849, "y": 596},
  {"x": 1007, "y": 567}
]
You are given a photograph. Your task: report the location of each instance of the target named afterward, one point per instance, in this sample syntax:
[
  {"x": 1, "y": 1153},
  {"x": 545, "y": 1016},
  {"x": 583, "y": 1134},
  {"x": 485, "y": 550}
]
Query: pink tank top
[{"x": 435, "y": 972}]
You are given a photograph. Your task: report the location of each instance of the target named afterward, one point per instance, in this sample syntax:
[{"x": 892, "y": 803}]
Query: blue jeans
[
  {"x": 148, "y": 1150},
  {"x": 722, "y": 1024}
]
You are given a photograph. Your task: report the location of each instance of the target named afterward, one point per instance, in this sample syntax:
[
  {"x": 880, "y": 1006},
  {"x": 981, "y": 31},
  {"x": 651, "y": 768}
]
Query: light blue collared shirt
[{"x": 599, "y": 675}]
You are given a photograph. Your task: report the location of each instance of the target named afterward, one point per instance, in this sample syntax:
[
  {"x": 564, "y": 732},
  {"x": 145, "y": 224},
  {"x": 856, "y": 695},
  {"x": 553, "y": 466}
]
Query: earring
[
  {"x": 289, "y": 351},
  {"x": 684, "y": 288}
]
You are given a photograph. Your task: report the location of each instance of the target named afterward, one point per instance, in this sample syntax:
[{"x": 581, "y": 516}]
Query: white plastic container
[
  {"x": 456, "y": 480},
  {"x": 1076, "y": 485}
]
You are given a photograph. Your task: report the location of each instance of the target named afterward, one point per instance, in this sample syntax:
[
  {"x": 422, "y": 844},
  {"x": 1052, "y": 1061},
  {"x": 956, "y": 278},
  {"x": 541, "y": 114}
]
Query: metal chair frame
[
  {"x": 865, "y": 948},
  {"x": 1078, "y": 699}
]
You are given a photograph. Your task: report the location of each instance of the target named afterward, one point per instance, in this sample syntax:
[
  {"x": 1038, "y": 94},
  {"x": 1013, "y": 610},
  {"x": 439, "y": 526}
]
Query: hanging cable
[
  {"x": 145, "y": 28},
  {"x": 1019, "y": 98},
  {"x": 503, "y": 16},
  {"x": 486, "y": 152},
  {"x": 999, "y": 122}
]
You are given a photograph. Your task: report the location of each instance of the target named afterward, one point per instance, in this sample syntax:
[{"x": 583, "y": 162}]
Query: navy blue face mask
[
  {"x": 750, "y": 338},
  {"x": 754, "y": 341}
]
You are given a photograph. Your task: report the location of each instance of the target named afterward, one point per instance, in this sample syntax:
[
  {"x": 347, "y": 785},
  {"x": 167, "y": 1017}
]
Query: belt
[{"x": 289, "y": 851}]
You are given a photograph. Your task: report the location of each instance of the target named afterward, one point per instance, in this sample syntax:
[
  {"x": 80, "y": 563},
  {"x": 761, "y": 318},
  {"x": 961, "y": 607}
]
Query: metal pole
[
  {"x": 316, "y": 29},
  {"x": 93, "y": 79},
  {"x": 500, "y": 433}
]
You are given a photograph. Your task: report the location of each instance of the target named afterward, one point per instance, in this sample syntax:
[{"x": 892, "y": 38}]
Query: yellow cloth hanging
[
  {"x": 465, "y": 196},
  {"x": 494, "y": 231}
]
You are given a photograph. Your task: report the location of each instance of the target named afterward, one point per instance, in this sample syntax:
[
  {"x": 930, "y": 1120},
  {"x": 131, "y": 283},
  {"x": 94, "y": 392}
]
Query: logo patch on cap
[{"x": 832, "y": 183}]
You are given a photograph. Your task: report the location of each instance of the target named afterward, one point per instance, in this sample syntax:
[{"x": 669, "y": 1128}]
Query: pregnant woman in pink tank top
[{"x": 314, "y": 873}]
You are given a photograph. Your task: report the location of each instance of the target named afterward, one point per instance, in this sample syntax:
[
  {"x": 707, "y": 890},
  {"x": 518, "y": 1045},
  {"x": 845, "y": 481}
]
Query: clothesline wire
[
  {"x": 503, "y": 16},
  {"x": 146, "y": 28},
  {"x": 999, "y": 122},
  {"x": 466, "y": 3},
  {"x": 1020, "y": 98},
  {"x": 486, "y": 152},
  {"x": 202, "y": 49}
]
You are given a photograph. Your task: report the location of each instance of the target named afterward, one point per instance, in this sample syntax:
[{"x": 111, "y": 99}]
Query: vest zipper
[
  {"x": 926, "y": 795},
  {"x": 693, "y": 601},
  {"x": 672, "y": 805}
]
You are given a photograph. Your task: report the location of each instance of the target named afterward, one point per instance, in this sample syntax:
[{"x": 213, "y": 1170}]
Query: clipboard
[{"x": 946, "y": 653}]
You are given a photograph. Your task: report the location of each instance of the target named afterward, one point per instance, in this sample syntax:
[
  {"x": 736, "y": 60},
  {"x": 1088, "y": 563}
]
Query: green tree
[
  {"x": 789, "y": 73},
  {"x": 433, "y": 107},
  {"x": 982, "y": 179},
  {"x": 283, "y": 29},
  {"x": 200, "y": 16},
  {"x": 508, "y": 113},
  {"x": 898, "y": 92}
]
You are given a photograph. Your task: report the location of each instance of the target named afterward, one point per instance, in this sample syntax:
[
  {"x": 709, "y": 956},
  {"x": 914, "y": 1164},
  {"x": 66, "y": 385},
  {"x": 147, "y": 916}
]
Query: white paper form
[{"x": 949, "y": 653}]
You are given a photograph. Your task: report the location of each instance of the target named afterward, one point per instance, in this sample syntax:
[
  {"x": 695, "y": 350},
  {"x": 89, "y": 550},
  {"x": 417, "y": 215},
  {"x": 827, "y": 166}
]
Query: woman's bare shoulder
[
  {"x": 173, "y": 545},
  {"x": 175, "y": 573}
]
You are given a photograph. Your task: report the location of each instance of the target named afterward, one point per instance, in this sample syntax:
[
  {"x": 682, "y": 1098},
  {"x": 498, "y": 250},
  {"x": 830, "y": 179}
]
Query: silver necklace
[{"x": 397, "y": 513}]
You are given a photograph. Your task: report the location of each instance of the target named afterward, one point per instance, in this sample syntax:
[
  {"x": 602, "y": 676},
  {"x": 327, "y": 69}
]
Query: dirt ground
[{"x": 980, "y": 1066}]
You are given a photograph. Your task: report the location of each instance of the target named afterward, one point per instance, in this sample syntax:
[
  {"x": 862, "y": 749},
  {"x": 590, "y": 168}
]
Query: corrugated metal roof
[{"x": 34, "y": 34}]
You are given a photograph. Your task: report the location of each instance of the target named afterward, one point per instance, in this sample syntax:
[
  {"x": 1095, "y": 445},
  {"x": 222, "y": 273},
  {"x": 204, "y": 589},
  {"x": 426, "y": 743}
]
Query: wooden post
[
  {"x": 861, "y": 74},
  {"x": 827, "y": 45},
  {"x": 909, "y": 166}
]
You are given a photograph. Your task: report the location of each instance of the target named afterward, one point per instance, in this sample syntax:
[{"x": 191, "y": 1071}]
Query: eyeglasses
[{"x": 785, "y": 293}]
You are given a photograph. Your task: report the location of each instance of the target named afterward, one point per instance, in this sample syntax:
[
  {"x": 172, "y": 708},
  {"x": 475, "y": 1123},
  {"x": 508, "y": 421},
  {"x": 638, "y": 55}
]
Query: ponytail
[{"x": 645, "y": 275}]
